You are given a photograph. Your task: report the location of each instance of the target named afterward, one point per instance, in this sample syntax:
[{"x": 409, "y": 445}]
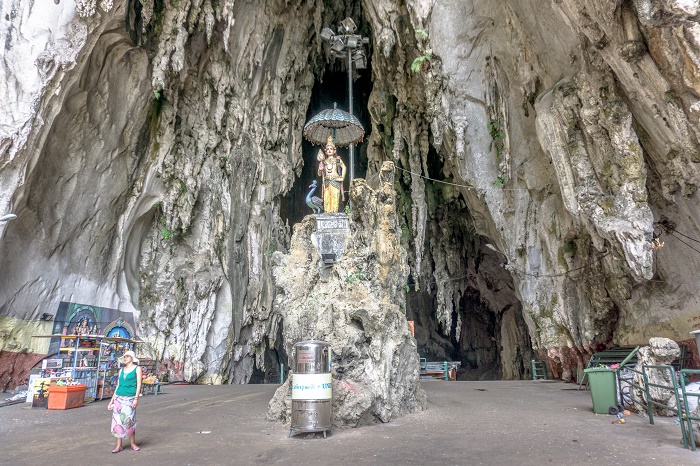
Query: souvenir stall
[{"x": 86, "y": 354}]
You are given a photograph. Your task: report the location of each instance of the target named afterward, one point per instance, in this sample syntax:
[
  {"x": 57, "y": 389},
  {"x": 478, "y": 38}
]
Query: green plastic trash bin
[{"x": 601, "y": 380}]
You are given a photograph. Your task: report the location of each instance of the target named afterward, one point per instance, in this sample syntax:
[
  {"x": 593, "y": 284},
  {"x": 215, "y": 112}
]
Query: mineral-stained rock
[
  {"x": 356, "y": 305},
  {"x": 660, "y": 352}
]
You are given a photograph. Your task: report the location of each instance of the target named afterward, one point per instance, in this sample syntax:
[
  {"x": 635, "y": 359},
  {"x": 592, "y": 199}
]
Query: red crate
[{"x": 66, "y": 396}]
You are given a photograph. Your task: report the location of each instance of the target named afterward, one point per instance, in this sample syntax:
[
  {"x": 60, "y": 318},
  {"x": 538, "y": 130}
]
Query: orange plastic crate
[{"x": 66, "y": 396}]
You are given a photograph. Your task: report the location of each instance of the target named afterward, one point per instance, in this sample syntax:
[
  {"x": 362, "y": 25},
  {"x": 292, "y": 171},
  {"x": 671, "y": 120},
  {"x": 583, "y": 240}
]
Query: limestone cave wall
[{"x": 547, "y": 164}]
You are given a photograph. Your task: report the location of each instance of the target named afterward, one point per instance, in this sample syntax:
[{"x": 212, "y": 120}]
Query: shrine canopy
[{"x": 345, "y": 128}]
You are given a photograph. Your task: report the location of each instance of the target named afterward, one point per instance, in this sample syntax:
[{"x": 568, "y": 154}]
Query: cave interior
[{"x": 486, "y": 334}]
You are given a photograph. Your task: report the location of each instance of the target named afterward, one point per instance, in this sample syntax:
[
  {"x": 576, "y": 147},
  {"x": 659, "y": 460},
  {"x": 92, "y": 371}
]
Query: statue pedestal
[{"x": 329, "y": 237}]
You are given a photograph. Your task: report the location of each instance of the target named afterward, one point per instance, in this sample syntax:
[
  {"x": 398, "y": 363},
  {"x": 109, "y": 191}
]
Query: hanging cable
[
  {"x": 698, "y": 251},
  {"x": 678, "y": 232},
  {"x": 461, "y": 185},
  {"x": 522, "y": 272},
  {"x": 563, "y": 273},
  {"x": 673, "y": 232}
]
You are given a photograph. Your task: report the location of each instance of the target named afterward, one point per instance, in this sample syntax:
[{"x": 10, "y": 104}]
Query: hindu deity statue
[{"x": 332, "y": 170}]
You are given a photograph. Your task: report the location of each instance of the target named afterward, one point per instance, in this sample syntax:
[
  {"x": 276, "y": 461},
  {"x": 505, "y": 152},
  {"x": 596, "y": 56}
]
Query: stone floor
[{"x": 490, "y": 423}]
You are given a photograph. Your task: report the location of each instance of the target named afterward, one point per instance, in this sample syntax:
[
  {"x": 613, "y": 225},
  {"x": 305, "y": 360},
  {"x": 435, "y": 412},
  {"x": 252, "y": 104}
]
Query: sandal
[
  {"x": 136, "y": 448},
  {"x": 117, "y": 450}
]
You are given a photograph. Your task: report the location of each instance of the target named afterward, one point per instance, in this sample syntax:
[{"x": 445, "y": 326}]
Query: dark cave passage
[
  {"x": 486, "y": 331},
  {"x": 465, "y": 281}
]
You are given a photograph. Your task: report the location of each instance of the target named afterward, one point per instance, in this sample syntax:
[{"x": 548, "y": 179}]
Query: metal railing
[
  {"x": 687, "y": 417},
  {"x": 680, "y": 409}
]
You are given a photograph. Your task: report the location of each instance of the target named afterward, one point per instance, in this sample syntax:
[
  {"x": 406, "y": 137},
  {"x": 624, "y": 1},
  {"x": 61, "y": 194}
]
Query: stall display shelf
[{"x": 90, "y": 360}]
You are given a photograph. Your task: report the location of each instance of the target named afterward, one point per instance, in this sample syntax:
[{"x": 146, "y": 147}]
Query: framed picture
[{"x": 52, "y": 364}]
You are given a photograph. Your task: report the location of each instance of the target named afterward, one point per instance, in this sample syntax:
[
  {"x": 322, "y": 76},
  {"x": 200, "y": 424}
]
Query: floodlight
[
  {"x": 338, "y": 45},
  {"x": 327, "y": 34},
  {"x": 360, "y": 60},
  {"x": 346, "y": 44},
  {"x": 348, "y": 26}
]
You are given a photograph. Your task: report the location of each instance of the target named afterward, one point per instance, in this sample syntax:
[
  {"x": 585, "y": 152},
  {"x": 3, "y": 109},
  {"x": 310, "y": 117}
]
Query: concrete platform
[{"x": 474, "y": 423}]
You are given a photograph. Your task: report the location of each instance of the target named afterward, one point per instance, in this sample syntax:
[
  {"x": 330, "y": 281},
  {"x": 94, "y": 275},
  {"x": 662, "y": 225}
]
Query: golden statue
[{"x": 332, "y": 170}]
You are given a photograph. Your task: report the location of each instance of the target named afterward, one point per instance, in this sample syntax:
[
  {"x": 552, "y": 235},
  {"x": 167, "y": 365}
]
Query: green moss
[
  {"x": 561, "y": 259},
  {"x": 498, "y": 137},
  {"x": 570, "y": 247},
  {"x": 182, "y": 185},
  {"x": 555, "y": 226},
  {"x": 608, "y": 205},
  {"x": 672, "y": 97},
  {"x": 545, "y": 313},
  {"x": 689, "y": 189}
]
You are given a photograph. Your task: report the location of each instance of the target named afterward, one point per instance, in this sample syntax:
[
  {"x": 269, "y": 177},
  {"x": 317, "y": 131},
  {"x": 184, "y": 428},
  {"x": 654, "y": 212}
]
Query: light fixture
[
  {"x": 346, "y": 44},
  {"x": 348, "y": 26},
  {"x": 7, "y": 217},
  {"x": 360, "y": 60},
  {"x": 327, "y": 33},
  {"x": 338, "y": 45}
]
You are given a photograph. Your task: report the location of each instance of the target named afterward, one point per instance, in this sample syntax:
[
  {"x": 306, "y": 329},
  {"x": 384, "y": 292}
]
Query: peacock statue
[{"x": 312, "y": 201}]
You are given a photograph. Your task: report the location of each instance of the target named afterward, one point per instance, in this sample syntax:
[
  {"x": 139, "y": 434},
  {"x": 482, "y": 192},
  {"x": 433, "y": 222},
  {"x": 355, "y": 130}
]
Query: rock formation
[
  {"x": 355, "y": 305},
  {"x": 153, "y": 154},
  {"x": 660, "y": 352}
]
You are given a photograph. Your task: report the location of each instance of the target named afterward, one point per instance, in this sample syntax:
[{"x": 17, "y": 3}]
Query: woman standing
[{"x": 125, "y": 400}]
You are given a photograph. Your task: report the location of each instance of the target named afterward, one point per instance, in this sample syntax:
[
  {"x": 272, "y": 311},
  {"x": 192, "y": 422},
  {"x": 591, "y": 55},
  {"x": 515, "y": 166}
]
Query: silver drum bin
[{"x": 312, "y": 395}]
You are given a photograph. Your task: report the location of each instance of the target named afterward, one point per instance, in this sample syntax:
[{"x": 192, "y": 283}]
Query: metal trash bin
[{"x": 312, "y": 395}]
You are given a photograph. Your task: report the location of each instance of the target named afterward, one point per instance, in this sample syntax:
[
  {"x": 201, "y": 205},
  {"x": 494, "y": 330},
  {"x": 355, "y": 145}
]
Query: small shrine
[{"x": 331, "y": 128}]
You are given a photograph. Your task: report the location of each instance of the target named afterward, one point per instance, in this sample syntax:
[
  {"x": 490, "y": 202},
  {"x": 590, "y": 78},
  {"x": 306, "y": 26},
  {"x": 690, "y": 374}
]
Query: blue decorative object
[{"x": 312, "y": 201}]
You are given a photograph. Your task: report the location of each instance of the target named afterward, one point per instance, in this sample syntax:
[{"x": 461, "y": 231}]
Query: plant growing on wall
[
  {"x": 500, "y": 181},
  {"x": 421, "y": 62},
  {"x": 497, "y": 137},
  {"x": 355, "y": 276}
]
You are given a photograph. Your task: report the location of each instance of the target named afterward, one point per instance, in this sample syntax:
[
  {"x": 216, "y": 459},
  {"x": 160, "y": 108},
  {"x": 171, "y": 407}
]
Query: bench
[{"x": 438, "y": 370}]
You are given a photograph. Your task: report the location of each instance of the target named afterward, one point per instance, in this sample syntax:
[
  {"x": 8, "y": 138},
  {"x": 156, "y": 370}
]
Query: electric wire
[
  {"x": 676, "y": 231},
  {"x": 461, "y": 185},
  {"x": 522, "y": 272},
  {"x": 698, "y": 251}
]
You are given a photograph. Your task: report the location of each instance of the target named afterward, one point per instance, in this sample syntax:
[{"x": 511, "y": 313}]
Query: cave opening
[
  {"x": 467, "y": 309},
  {"x": 329, "y": 89}
]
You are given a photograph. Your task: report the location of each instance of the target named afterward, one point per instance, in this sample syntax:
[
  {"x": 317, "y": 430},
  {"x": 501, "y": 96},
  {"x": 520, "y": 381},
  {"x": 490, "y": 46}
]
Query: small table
[{"x": 152, "y": 388}]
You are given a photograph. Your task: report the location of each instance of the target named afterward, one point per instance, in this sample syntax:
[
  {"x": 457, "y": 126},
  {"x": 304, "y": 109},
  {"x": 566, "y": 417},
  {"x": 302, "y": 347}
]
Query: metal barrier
[
  {"x": 650, "y": 403},
  {"x": 539, "y": 370},
  {"x": 687, "y": 417},
  {"x": 632, "y": 384}
]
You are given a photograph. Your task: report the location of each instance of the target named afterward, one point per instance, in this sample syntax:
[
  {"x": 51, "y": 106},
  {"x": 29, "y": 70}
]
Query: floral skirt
[{"x": 124, "y": 417}]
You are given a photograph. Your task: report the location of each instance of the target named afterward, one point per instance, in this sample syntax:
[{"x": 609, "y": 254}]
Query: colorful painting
[{"x": 88, "y": 320}]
